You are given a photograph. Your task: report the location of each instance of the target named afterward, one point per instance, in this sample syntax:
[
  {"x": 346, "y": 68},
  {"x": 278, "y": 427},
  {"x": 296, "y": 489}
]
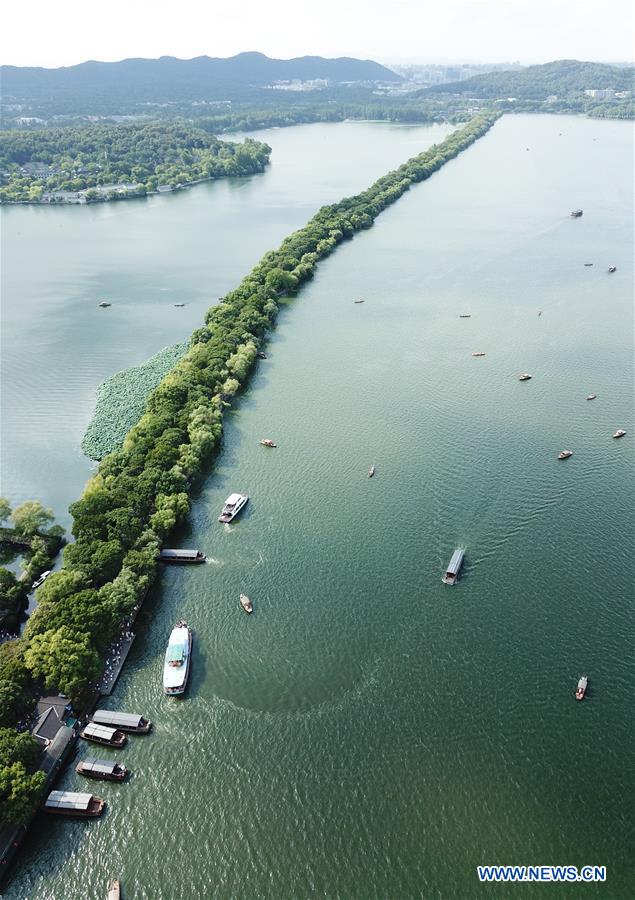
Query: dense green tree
[
  {"x": 30, "y": 517},
  {"x": 64, "y": 660},
  {"x": 5, "y": 509}
]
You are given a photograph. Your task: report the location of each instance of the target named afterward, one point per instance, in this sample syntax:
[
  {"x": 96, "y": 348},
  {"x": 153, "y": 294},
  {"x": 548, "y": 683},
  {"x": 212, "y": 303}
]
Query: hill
[
  {"x": 113, "y": 86},
  {"x": 560, "y": 78}
]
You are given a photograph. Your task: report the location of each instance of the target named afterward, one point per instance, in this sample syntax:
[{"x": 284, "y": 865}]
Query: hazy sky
[{"x": 45, "y": 33}]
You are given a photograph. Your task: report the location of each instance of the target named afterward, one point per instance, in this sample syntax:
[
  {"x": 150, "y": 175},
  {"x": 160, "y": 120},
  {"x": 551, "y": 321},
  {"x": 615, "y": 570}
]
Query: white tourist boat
[
  {"x": 232, "y": 507},
  {"x": 176, "y": 668}
]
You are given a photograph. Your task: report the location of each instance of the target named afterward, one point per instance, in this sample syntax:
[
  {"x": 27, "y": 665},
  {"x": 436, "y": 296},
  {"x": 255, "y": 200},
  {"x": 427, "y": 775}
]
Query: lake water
[{"x": 370, "y": 732}]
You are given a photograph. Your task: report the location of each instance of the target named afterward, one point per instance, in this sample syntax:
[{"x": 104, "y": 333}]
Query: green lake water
[{"x": 369, "y": 732}]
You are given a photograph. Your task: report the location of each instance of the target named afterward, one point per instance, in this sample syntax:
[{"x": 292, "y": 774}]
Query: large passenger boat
[
  {"x": 177, "y": 659},
  {"x": 232, "y": 507}
]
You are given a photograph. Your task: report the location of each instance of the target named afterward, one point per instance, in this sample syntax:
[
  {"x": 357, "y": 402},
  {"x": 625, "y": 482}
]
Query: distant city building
[{"x": 600, "y": 93}]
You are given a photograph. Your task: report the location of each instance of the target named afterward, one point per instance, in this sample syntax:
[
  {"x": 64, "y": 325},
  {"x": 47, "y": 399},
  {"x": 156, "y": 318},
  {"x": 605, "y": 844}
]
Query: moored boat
[
  {"x": 130, "y": 722},
  {"x": 581, "y": 688},
  {"x": 114, "y": 891},
  {"x": 619, "y": 433},
  {"x": 101, "y": 769},
  {"x": 71, "y": 803},
  {"x": 261, "y": 354},
  {"x": 592, "y": 397},
  {"x": 454, "y": 566},
  {"x": 41, "y": 579},
  {"x": 176, "y": 668},
  {"x": 267, "y": 442},
  {"x": 100, "y": 734},
  {"x": 576, "y": 213},
  {"x": 232, "y": 507},
  {"x": 524, "y": 377},
  {"x": 246, "y": 603},
  {"x": 565, "y": 454}
]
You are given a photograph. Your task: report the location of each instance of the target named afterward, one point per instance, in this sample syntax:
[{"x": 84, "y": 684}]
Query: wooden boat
[
  {"x": 102, "y": 770},
  {"x": 267, "y": 442},
  {"x": 100, "y": 734},
  {"x": 592, "y": 397},
  {"x": 524, "y": 377},
  {"x": 71, "y": 803},
  {"x": 565, "y": 454},
  {"x": 619, "y": 433},
  {"x": 454, "y": 566},
  {"x": 114, "y": 891},
  {"x": 130, "y": 722},
  {"x": 576, "y": 213},
  {"x": 182, "y": 556},
  {"x": 612, "y": 268},
  {"x": 478, "y": 353},
  {"x": 246, "y": 603},
  {"x": 371, "y": 471}
]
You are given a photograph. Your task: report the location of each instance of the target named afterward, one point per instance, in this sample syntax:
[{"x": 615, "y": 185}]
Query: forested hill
[
  {"x": 167, "y": 79},
  {"x": 560, "y": 78}
]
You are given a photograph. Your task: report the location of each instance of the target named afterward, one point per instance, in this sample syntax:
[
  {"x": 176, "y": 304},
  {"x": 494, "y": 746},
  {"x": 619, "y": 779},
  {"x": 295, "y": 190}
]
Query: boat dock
[{"x": 115, "y": 658}]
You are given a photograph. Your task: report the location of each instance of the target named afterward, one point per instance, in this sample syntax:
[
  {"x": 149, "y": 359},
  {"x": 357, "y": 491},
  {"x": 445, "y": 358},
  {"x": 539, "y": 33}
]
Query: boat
[
  {"x": 182, "y": 556},
  {"x": 232, "y": 507},
  {"x": 358, "y": 301},
  {"x": 41, "y": 579},
  {"x": 465, "y": 316},
  {"x": 101, "y": 734},
  {"x": 452, "y": 571},
  {"x": 130, "y": 722},
  {"x": 176, "y": 668},
  {"x": 565, "y": 454},
  {"x": 588, "y": 264},
  {"x": 619, "y": 433},
  {"x": 592, "y": 397},
  {"x": 246, "y": 603},
  {"x": 104, "y": 304},
  {"x": 576, "y": 213},
  {"x": 478, "y": 353},
  {"x": 524, "y": 377},
  {"x": 612, "y": 268},
  {"x": 101, "y": 769},
  {"x": 70, "y": 803},
  {"x": 371, "y": 471},
  {"x": 581, "y": 688},
  {"x": 114, "y": 891},
  {"x": 267, "y": 442},
  {"x": 261, "y": 354},
  {"x": 179, "y": 305}
]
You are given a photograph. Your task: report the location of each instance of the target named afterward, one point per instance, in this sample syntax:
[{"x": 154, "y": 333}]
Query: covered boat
[
  {"x": 619, "y": 433},
  {"x": 114, "y": 891},
  {"x": 565, "y": 454},
  {"x": 101, "y": 769},
  {"x": 70, "y": 803},
  {"x": 452, "y": 571},
  {"x": 576, "y": 213},
  {"x": 581, "y": 688},
  {"x": 182, "y": 556},
  {"x": 524, "y": 377},
  {"x": 478, "y": 353},
  {"x": 612, "y": 269},
  {"x": 123, "y": 721},
  {"x": 246, "y": 603},
  {"x": 371, "y": 471},
  {"x": 101, "y": 734},
  {"x": 592, "y": 397},
  {"x": 267, "y": 442},
  {"x": 176, "y": 668}
]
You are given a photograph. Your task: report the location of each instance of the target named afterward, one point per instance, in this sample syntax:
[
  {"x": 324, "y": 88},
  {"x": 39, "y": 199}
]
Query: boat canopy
[
  {"x": 455, "y": 562},
  {"x": 233, "y": 499},
  {"x": 180, "y": 554},
  {"x": 114, "y": 718},
  {"x": 102, "y": 766},
  {"x": 68, "y": 800},
  {"x": 99, "y": 731}
]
